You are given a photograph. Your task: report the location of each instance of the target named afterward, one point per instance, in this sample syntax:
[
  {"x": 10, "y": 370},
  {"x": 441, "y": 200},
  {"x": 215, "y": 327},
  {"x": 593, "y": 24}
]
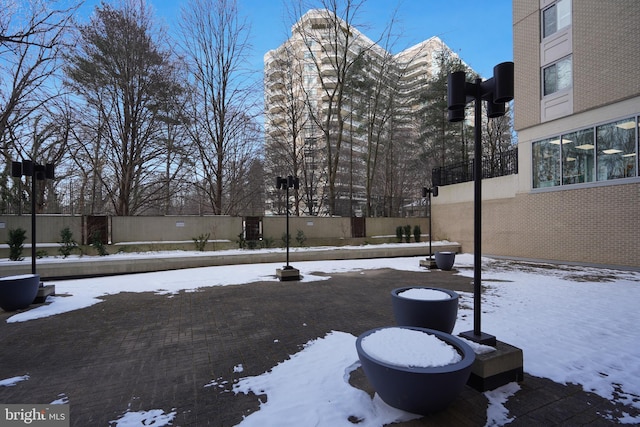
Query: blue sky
[{"x": 480, "y": 31}]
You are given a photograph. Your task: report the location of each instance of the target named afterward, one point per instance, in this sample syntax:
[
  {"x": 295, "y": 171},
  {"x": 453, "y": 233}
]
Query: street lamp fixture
[
  {"x": 37, "y": 172},
  {"x": 287, "y": 272},
  {"x": 496, "y": 91},
  {"x": 428, "y": 192}
]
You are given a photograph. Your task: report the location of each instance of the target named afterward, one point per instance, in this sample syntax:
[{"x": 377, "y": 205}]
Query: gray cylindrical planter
[
  {"x": 445, "y": 260},
  {"x": 419, "y": 390},
  {"x": 439, "y": 314},
  {"x": 17, "y": 292}
]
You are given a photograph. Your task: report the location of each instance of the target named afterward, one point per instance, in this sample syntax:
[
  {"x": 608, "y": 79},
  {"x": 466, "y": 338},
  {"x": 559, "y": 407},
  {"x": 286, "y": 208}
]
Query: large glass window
[
  {"x": 578, "y": 157},
  {"x": 546, "y": 163},
  {"x": 557, "y": 76},
  {"x": 556, "y": 17},
  {"x": 598, "y": 153},
  {"x": 617, "y": 154}
]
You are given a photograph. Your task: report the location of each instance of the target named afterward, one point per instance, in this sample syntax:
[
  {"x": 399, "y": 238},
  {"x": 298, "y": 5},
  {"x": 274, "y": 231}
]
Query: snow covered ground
[{"x": 574, "y": 324}]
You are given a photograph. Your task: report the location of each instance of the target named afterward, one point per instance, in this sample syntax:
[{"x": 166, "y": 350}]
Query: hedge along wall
[{"x": 384, "y": 227}]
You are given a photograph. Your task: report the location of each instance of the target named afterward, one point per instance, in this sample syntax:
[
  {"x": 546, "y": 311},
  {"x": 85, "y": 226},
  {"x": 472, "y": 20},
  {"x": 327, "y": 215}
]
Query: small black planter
[
  {"x": 433, "y": 314},
  {"x": 17, "y": 292},
  {"x": 445, "y": 260},
  {"x": 419, "y": 390}
]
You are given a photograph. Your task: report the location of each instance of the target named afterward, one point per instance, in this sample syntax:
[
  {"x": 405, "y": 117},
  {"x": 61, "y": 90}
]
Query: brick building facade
[{"x": 576, "y": 197}]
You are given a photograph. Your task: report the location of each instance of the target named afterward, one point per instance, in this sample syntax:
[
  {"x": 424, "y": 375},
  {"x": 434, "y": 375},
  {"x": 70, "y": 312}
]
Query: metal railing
[{"x": 502, "y": 164}]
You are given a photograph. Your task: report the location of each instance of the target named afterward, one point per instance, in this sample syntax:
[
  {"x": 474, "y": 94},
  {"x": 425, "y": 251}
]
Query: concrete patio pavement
[{"x": 145, "y": 351}]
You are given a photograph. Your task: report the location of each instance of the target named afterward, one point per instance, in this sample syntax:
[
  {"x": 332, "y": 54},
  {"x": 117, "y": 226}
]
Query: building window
[
  {"x": 617, "y": 153},
  {"x": 556, "y": 17},
  {"x": 546, "y": 163},
  {"x": 578, "y": 157},
  {"x": 602, "y": 153},
  {"x": 557, "y": 76}
]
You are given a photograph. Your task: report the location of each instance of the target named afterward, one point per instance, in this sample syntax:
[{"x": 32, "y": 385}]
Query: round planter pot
[
  {"x": 17, "y": 292},
  {"x": 439, "y": 314},
  {"x": 445, "y": 260},
  {"x": 419, "y": 390}
]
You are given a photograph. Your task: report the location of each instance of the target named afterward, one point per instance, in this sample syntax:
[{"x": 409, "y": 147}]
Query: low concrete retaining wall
[{"x": 103, "y": 266}]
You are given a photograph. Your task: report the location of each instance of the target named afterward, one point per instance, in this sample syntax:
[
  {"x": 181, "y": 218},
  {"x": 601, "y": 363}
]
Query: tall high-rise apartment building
[{"x": 340, "y": 114}]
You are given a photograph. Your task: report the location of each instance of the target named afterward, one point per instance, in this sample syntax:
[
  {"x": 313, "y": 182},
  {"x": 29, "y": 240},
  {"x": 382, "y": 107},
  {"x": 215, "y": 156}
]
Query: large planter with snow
[
  {"x": 445, "y": 260},
  {"x": 425, "y": 307},
  {"x": 17, "y": 292},
  {"x": 415, "y": 385}
]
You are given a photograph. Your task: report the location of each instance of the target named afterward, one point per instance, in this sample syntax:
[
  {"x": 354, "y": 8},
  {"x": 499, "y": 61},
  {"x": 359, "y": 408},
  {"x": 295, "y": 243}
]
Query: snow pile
[
  {"x": 407, "y": 347},
  {"x": 424, "y": 294},
  {"x": 10, "y": 382},
  {"x": 154, "y": 417},
  {"x": 311, "y": 388}
]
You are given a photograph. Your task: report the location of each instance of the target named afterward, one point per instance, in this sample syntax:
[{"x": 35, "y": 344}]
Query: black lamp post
[
  {"x": 287, "y": 272},
  {"x": 36, "y": 172},
  {"x": 496, "y": 91},
  {"x": 428, "y": 192}
]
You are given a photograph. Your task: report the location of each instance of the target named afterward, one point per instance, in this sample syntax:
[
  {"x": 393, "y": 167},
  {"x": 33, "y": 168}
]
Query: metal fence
[{"x": 502, "y": 164}]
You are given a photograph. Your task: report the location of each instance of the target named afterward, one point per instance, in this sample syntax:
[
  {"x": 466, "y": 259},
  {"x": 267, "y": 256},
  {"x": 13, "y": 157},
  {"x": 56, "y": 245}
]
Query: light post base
[
  {"x": 483, "y": 338},
  {"x": 43, "y": 292},
  {"x": 429, "y": 263},
  {"x": 287, "y": 273},
  {"x": 497, "y": 368}
]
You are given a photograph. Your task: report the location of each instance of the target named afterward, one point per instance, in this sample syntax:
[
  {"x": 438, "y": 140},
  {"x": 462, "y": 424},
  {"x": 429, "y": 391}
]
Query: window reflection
[
  {"x": 601, "y": 153},
  {"x": 556, "y": 17},
  {"x": 546, "y": 163},
  {"x": 557, "y": 76},
  {"x": 616, "y": 149},
  {"x": 549, "y": 21},
  {"x": 578, "y": 157}
]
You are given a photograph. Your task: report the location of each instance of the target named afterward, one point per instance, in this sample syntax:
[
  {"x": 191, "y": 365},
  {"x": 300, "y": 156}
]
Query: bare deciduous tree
[
  {"x": 286, "y": 123},
  {"x": 176, "y": 152},
  {"x": 376, "y": 106},
  {"x": 332, "y": 45},
  {"x": 222, "y": 126},
  {"x": 32, "y": 35},
  {"x": 497, "y": 140}
]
